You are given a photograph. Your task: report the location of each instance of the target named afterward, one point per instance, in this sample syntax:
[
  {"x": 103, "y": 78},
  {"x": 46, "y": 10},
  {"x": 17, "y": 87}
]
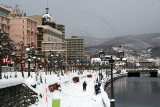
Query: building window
[
  {"x": 23, "y": 32},
  {"x": 23, "y": 21},
  {"x": 23, "y": 27},
  {"x": 48, "y": 38}
]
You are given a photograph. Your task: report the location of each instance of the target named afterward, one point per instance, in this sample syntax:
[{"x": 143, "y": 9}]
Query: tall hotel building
[{"x": 75, "y": 48}]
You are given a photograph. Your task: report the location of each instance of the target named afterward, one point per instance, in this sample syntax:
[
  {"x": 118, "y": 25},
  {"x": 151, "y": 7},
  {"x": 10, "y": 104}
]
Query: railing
[{"x": 142, "y": 70}]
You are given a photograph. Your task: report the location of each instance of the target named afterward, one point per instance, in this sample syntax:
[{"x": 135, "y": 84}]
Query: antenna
[
  {"x": 17, "y": 6},
  {"x": 47, "y": 9}
]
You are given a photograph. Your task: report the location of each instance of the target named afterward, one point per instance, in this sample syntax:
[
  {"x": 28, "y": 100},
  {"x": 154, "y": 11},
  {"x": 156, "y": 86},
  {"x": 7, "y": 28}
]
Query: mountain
[
  {"x": 132, "y": 42},
  {"x": 91, "y": 41}
]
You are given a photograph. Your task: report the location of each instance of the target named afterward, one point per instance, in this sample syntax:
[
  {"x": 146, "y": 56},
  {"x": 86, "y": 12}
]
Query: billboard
[{"x": 6, "y": 60}]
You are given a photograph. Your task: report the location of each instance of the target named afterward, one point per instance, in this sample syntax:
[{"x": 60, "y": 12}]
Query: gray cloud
[{"x": 98, "y": 18}]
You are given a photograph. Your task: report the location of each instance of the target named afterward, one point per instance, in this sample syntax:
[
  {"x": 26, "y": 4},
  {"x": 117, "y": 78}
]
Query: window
[
  {"x": 23, "y": 21},
  {"x": 23, "y": 32},
  {"x": 3, "y": 14}
]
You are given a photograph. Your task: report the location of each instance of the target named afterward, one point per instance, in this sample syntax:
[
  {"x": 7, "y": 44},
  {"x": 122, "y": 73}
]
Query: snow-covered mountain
[{"x": 132, "y": 42}]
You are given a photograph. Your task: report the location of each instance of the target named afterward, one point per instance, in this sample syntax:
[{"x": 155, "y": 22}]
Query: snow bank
[{"x": 10, "y": 82}]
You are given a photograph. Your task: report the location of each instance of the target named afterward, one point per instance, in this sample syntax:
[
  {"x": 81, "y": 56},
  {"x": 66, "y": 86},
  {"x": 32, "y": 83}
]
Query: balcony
[
  {"x": 4, "y": 22},
  {"x": 28, "y": 28}
]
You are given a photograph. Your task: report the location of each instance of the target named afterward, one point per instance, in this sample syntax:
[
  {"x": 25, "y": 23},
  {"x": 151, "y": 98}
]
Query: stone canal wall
[
  {"x": 17, "y": 96},
  {"x": 107, "y": 80}
]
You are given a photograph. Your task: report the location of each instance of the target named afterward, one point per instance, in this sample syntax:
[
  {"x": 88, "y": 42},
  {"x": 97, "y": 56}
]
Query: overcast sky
[{"x": 98, "y": 18}]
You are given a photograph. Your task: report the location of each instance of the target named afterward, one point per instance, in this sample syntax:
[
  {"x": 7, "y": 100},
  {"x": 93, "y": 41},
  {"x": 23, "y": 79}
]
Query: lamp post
[
  {"x": 121, "y": 53},
  {"x": 34, "y": 57},
  {"x": 29, "y": 60},
  {"x": 112, "y": 101},
  {"x": 101, "y": 55}
]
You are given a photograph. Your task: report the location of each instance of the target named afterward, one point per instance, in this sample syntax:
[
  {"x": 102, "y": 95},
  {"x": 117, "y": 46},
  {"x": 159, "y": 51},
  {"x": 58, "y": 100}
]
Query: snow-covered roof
[{"x": 10, "y": 82}]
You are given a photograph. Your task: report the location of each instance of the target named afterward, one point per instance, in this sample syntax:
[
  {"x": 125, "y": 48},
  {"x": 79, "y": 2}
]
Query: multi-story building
[
  {"x": 23, "y": 28},
  {"x": 4, "y": 19},
  {"x": 49, "y": 38},
  {"x": 75, "y": 48},
  {"x": 38, "y": 18},
  {"x": 61, "y": 28}
]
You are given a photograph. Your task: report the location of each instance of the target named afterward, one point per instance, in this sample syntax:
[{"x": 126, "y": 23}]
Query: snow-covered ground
[{"x": 72, "y": 94}]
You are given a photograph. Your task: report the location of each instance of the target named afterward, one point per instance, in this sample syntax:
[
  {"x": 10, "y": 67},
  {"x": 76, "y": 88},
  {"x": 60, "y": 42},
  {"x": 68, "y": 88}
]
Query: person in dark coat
[
  {"x": 99, "y": 84},
  {"x": 96, "y": 88},
  {"x": 84, "y": 86}
]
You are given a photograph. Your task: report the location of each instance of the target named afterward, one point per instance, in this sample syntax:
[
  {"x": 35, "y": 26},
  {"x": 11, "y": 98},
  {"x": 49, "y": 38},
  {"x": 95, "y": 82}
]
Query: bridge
[{"x": 139, "y": 72}]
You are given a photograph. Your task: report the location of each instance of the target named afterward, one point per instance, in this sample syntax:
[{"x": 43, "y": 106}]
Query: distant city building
[
  {"x": 4, "y": 19},
  {"x": 23, "y": 28},
  {"x": 38, "y": 18},
  {"x": 75, "y": 48}
]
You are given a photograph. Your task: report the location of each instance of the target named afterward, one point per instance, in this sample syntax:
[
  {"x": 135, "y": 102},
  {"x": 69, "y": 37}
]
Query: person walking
[
  {"x": 84, "y": 86},
  {"x": 96, "y": 88}
]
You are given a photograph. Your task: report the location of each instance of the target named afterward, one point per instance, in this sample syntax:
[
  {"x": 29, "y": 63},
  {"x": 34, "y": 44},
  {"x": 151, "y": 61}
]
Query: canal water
[{"x": 136, "y": 92}]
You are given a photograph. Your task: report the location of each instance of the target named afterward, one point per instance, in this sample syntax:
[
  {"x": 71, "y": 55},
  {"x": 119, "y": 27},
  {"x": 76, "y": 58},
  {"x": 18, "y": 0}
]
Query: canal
[{"x": 136, "y": 92}]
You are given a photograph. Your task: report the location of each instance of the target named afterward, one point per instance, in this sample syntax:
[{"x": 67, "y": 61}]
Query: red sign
[
  {"x": 6, "y": 60},
  {"x": 19, "y": 59},
  {"x": 23, "y": 65}
]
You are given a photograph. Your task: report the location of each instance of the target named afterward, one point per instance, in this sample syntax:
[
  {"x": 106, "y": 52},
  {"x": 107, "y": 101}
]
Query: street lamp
[
  {"x": 29, "y": 60},
  {"x": 121, "y": 52},
  {"x": 112, "y": 101},
  {"x": 101, "y": 55}
]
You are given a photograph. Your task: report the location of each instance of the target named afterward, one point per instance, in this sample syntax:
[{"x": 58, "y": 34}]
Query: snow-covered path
[{"x": 72, "y": 95}]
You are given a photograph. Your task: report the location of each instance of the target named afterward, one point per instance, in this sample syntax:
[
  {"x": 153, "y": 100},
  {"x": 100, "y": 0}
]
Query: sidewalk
[{"x": 72, "y": 95}]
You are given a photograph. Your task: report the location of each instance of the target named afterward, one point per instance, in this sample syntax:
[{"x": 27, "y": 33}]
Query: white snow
[
  {"x": 72, "y": 94},
  {"x": 10, "y": 82}
]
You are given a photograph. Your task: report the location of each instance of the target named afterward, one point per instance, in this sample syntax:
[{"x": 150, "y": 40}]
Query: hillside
[{"x": 132, "y": 42}]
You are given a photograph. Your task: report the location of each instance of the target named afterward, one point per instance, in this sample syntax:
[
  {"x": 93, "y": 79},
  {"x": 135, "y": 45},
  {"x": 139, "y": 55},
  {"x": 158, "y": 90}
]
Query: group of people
[
  {"x": 96, "y": 87},
  {"x": 38, "y": 80},
  {"x": 7, "y": 77}
]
